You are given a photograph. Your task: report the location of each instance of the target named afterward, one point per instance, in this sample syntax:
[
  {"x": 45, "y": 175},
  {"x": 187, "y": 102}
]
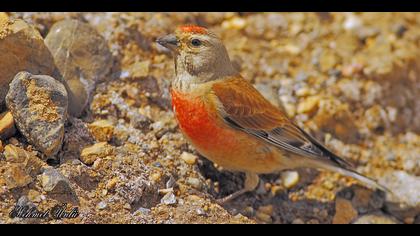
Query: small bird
[{"x": 230, "y": 123}]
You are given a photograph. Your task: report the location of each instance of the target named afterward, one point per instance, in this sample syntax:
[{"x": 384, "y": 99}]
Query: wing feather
[{"x": 244, "y": 108}]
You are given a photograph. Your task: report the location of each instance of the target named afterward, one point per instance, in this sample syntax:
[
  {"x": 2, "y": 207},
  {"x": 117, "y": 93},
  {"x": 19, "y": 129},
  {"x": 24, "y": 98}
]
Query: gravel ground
[{"x": 350, "y": 79}]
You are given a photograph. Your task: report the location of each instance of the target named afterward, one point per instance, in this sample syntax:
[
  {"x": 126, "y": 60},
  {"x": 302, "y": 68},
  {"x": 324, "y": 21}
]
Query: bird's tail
[{"x": 368, "y": 182}]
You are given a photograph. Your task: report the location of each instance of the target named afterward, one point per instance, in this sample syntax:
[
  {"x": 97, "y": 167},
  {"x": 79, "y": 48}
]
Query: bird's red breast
[{"x": 200, "y": 122}]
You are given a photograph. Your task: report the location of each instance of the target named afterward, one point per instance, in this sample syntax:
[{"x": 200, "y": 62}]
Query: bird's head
[{"x": 199, "y": 53}]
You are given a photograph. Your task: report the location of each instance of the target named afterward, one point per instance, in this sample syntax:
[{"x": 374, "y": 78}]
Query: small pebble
[
  {"x": 200, "y": 212},
  {"x": 166, "y": 191},
  {"x": 249, "y": 211},
  {"x": 168, "y": 199},
  {"x": 189, "y": 158},
  {"x": 100, "y": 150},
  {"x": 102, "y": 205},
  {"x": 344, "y": 212},
  {"x": 34, "y": 196},
  {"x": 112, "y": 183},
  {"x": 127, "y": 206},
  {"x": 143, "y": 211},
  {"x": 102, "y": 130},
  {"x": 194, "y": 182},
  {"x": 156, "y": 176},
  {"x": 268, "y": 209},
  {"x": 264, "y": 217},
  {"x": 290, "y": 179}
]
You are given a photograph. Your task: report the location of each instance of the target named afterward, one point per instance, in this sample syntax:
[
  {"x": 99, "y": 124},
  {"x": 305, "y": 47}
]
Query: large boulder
[
  {"x": 22, "y": 48},
  {"x": 39, "y": 104},
  {"x": 83, "y": 58}
]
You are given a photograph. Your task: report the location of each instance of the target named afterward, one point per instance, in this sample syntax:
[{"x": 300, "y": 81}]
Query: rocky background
[{"x": 86, "y": 119}]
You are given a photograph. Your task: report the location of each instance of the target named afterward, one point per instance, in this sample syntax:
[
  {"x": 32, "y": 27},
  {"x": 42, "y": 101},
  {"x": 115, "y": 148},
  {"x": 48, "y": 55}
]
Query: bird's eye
[{"x": 196, "y": 42}]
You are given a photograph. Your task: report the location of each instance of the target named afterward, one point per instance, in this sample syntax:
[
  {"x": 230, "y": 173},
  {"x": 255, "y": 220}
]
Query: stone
[
  {"x": 14, "y": 154},
  {"x": 169, "y": 199},
  {"x": 290, "y": 179},
  {"x": 31, "y": 163},
  {"x": 352, "y": 22},
  {"x": 102, "y": 205},
  {"x": 102, "y": 130},
  {"x": 58, "y": 186},
  {"x": 264, "y": 217},
  {"x": 194, "y": 182},
  {"x": 34, "y": 165},
  {"x": 365, "y": 200},
  {"x": 99, "y": 150},
  {"x": 38, "y": 104},
  {"x": 405, "y": 188},
  {"x": 189, "y": 158},
  {"x": 82, "y": 57},
  {"x": 344, "y": 211},
  {"x": 156, "y": 177},
  {"x": 24, "y": 201},
  {"x": 22, "y": 48},
  {"x": 34, "y": 196},
  {"x": 268, "y": 209},
  {"x": 16, "y": 177},
  {"x": 112, "y": 183},
  {"x": 375, "y": 219},
  {"x": 7, "y": 126},
  {"x": 404, "y": 202}
]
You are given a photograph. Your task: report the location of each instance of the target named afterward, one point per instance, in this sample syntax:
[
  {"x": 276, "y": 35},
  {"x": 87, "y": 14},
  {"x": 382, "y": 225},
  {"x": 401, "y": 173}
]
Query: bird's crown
[{"x": 193, "y": 29}]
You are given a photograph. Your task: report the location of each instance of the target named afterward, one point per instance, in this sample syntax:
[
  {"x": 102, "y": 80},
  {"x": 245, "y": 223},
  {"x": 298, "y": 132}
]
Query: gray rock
[
  {"x": 405, "y": 188},
  {"x": 168, "y": 199},
  {"x": 58, "y": 186},
  {"x": 22, "y": 48},
  {"x": 38, "y": 104},
  {"x": 82, "y": 57},
  {"x": 24, "y": 201},
  {"x": 363, "y": 200},
  {"x": 404, "y": 202}
]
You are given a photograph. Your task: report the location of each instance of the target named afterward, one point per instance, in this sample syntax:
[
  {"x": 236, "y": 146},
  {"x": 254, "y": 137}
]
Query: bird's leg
[{"x": 251, "y": 183}]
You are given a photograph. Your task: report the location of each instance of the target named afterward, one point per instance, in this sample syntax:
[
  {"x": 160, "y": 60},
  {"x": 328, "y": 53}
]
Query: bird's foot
[{"x": 251, "y": 183}]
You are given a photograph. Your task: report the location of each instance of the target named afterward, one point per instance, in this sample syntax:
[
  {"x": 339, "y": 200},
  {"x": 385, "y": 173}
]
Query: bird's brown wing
[{"x": 244, "y": 108}]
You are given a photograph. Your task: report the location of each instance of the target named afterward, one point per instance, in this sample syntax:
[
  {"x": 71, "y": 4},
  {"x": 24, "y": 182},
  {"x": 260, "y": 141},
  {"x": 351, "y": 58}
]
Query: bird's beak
[{"x": 169, "y": 41}]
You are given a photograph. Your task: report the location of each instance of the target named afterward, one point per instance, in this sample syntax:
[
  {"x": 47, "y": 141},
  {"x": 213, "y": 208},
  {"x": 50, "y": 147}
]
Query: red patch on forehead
[{"x": 193, "y": 29}]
